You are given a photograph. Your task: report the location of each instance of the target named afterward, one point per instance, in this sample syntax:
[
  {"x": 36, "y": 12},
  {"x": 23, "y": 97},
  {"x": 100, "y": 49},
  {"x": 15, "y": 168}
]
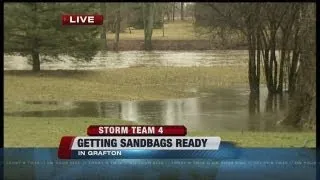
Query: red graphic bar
[
  {"x": 78, "y": 19},
  {"x": 64, "y": 151},
  {"x": 122, "y": 130}
]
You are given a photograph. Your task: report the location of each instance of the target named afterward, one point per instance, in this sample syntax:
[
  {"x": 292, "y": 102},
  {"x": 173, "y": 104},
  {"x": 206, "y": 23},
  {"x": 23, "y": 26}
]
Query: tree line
[
  {"x": 281, "y": 46},
  {"x": 32, "y": 29}
]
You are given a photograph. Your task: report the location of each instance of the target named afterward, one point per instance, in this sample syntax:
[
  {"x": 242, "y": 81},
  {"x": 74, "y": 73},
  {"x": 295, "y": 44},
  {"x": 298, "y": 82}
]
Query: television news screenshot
[{"x": 159, "y": 90}]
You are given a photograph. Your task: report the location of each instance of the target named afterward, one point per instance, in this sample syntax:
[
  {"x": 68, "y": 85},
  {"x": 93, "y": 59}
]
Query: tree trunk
[
  {"x": 283, "y": 59},
  {"x": 168, "y": 16},
  {"x": 269, "y": 102},
  {"x": 35, "y": 61},
  {"x": 305, "y": 94},
  {"x": 148, "y": 25},
  {"x": 302, "y": 110},
  {"x": 117, "y": 33},
  {"x": 35, "y": 46},
  {"x": 182, "y": 13},
  {"x": 258, "y": 48},
  {"x": 173, "y": 10},
  {"x": 258, "y": 56},
  {"x": 103, "y": 35},
  {"x": 294, "y": 65},
  {"x": 252, "y": 70},
  {"x": 273, "y": 63},
  {"x": 293, "y": 72},
  {"x": 254, "y": 103},
  {"x": 145, "y": 32},
  {"x": 163, "y": 26},
  {"x": 254, "y": 87},
  {"x": 265, "y": 55},
  {"x": 287, "y": 30},
  {"x": 281, "y": 72}
]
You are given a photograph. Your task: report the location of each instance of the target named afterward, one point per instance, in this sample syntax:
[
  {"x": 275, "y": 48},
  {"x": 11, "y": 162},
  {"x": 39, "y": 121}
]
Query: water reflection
[
  {"x": 129, "y": 111},
  {"x": 275, "y": 102},
  {"x": 225, "y": 109}
]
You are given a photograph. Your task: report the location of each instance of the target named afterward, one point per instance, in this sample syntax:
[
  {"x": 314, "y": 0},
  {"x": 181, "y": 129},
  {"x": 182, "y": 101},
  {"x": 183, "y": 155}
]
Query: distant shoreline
[{"x": 171, "y": 45}]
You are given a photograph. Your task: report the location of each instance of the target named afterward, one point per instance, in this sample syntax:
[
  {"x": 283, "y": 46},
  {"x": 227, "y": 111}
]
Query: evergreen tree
[{"x": 35, "y": 29}]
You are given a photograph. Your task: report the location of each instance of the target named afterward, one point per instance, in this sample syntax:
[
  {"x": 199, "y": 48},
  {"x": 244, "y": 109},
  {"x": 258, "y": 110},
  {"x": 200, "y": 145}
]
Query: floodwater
[
  {"x": 220, "y": 109},
  {"x": 124, "y": 59},
  {"x": 229, "y": 109}
]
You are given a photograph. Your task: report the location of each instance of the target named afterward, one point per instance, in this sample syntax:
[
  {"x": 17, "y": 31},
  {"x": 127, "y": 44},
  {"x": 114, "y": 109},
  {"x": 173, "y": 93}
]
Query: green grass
[
  {"x": 185, "y": 30},
  {"x": 178, "y": 30},
  {"x": 47, "y": 132},
  {"x": 139, "y": 83}
]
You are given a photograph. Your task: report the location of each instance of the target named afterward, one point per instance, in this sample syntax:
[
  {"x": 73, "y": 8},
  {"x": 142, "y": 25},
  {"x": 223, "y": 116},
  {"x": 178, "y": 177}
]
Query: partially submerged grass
[
  {"x": 140, "y": 83},
  {"x": 47, "y": 132}
]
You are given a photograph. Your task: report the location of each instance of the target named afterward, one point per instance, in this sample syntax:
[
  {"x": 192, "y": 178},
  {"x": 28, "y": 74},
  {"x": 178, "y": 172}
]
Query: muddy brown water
[
  {"x": 125, "y": 59},
  {"x": 219, "y": 109}
]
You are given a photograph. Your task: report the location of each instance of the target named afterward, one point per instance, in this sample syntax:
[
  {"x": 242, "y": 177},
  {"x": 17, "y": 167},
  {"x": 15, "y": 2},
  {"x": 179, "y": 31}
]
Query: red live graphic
[{"x": 82, "y": 19}]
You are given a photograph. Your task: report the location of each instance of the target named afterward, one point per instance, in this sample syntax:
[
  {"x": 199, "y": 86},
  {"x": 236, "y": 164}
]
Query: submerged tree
[
  {"x": 34, "y": 30},
  {"x": 273, "y": 35},
  {"x": 303, "y": 106},
  {"x": 281, "y": 39},
  {"x": 224, "y": 18}
]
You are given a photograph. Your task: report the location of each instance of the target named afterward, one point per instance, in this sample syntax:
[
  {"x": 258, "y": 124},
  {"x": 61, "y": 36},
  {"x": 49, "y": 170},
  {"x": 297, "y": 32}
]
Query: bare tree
[
  {"x": 303, "y": 107},
  {"x": 271, "y": 28},
  {"x": 173, "y": 10},
  {"x": 181, "y": 11},
  {"x": 268, "y": 28},
  {"x": 103, "y": 36}
]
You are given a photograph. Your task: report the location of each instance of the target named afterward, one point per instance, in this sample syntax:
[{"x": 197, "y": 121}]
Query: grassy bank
[
  {"x": 177, "y": 30},
  {"x": 178, "y": 35},
  {"x": 139, "y": 83},
  {"x": 46, "y": 132}
]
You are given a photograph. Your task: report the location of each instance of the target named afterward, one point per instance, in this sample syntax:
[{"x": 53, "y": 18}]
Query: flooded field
[
  {"x": 219, "y": 109},
  {"x": 126, "y": 59}
]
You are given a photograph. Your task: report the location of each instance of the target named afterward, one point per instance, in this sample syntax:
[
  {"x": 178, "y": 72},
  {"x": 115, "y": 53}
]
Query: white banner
[{"x": 145, "y": 143}]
